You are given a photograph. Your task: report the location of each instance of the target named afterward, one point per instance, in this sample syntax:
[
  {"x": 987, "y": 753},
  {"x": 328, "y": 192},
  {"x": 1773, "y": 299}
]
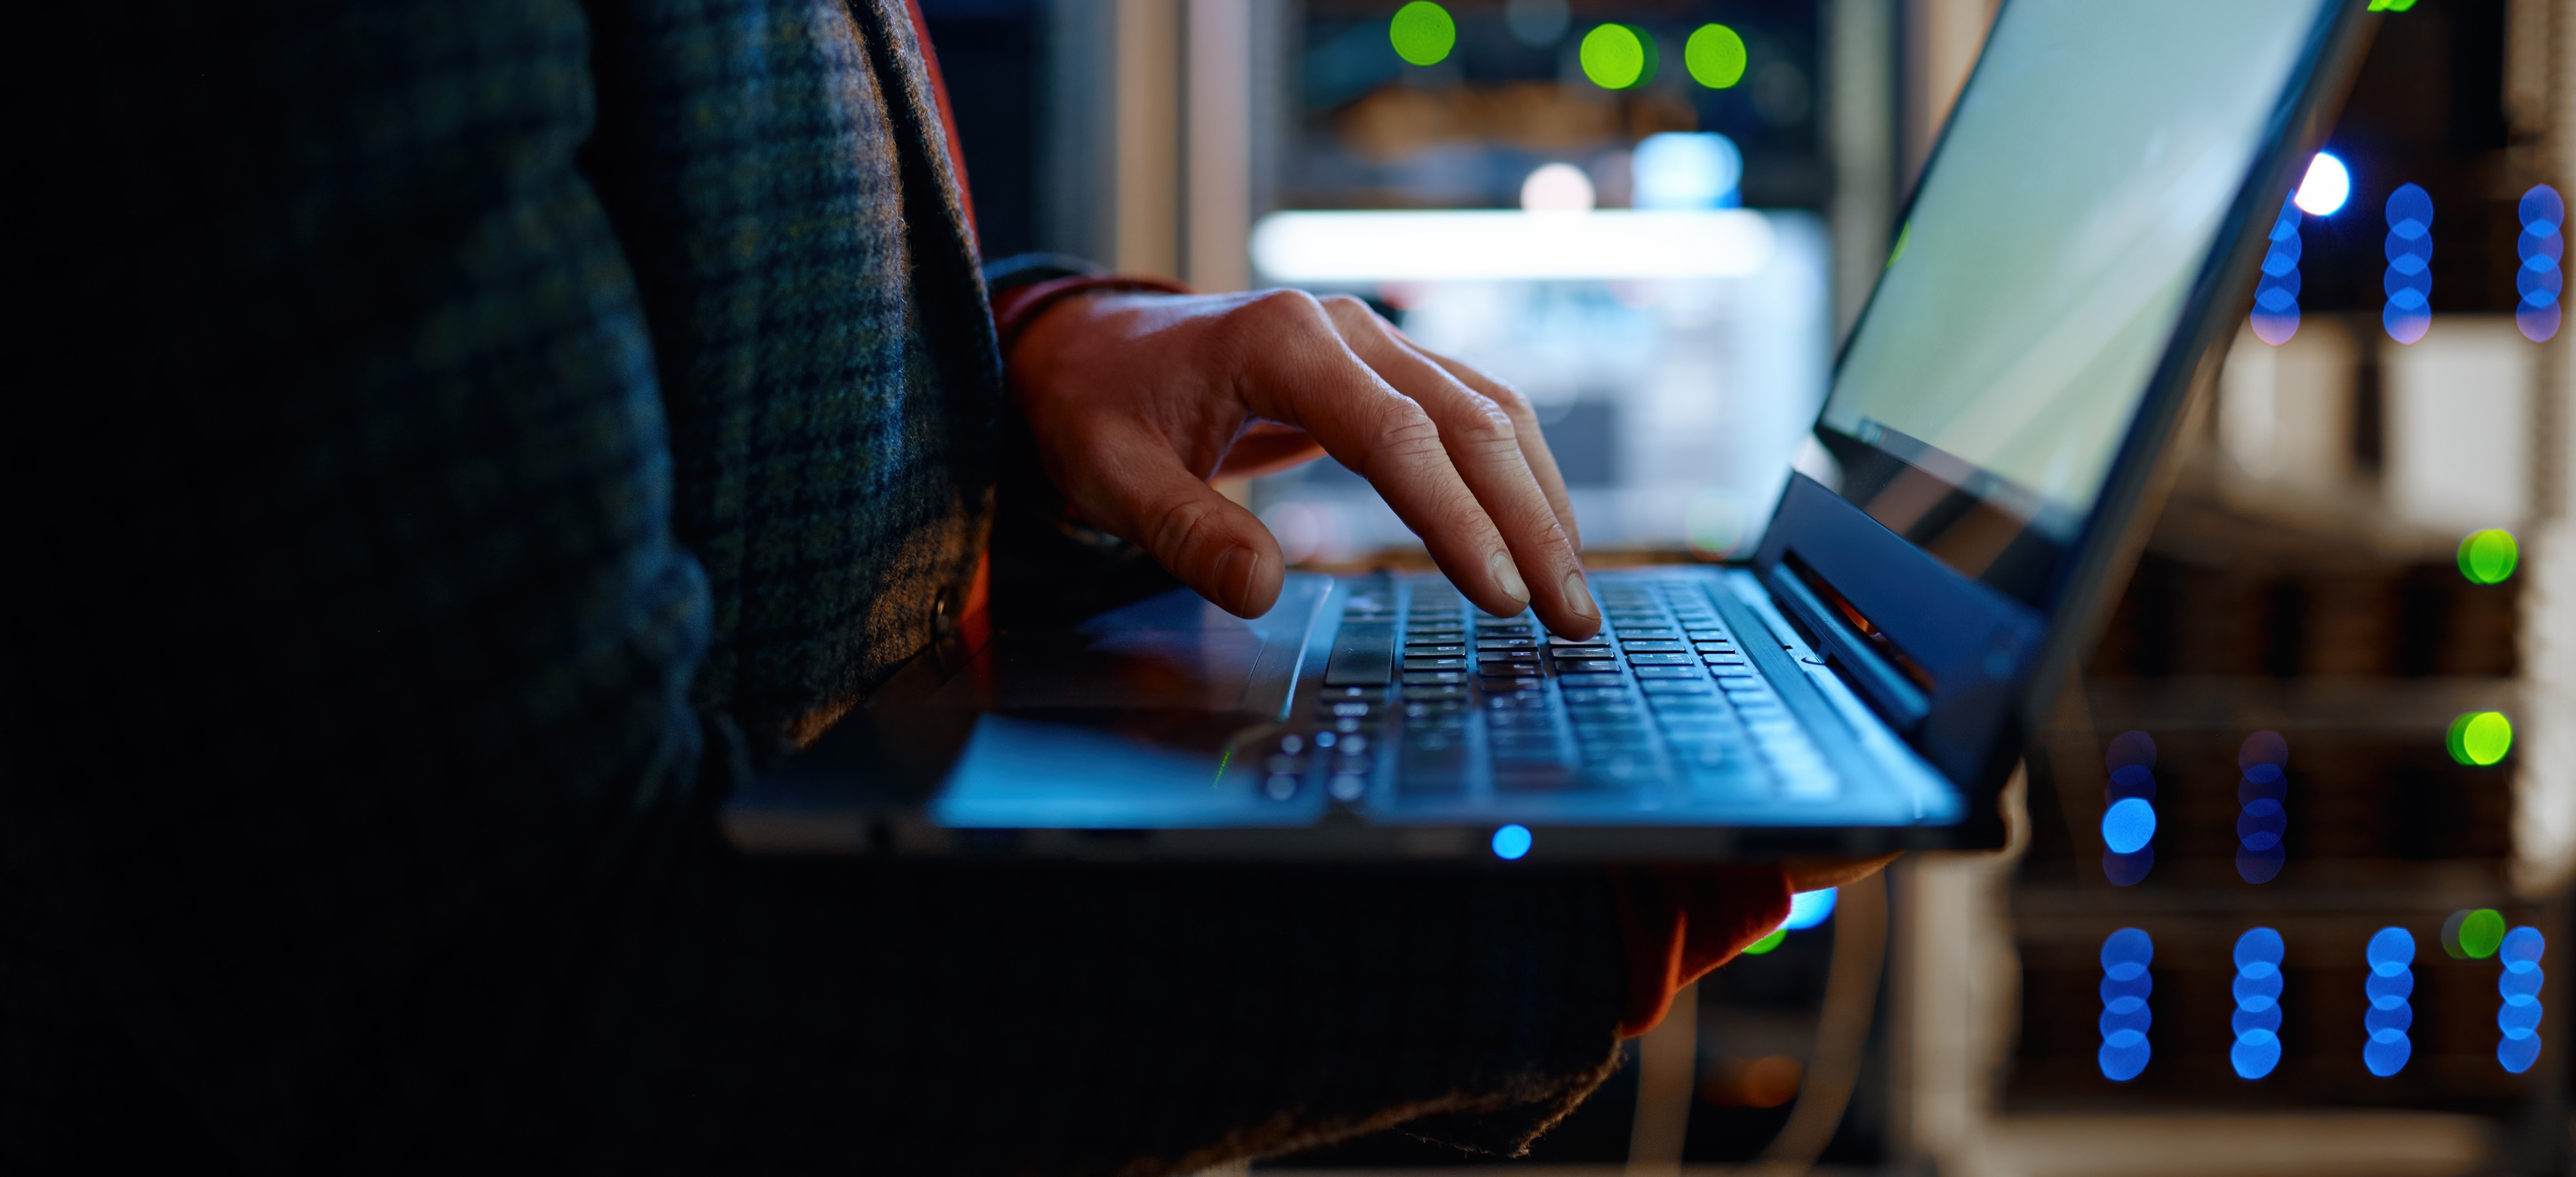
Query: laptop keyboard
[{"x": 1426, "y": 700}]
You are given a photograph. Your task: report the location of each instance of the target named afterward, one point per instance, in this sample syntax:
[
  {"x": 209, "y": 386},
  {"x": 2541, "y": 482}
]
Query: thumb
[{"x": 1139, "y": 491}]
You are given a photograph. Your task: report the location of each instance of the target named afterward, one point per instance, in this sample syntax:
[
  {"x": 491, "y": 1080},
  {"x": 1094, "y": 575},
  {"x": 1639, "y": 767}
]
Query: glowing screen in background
[{"x": 2088, "y": 170}]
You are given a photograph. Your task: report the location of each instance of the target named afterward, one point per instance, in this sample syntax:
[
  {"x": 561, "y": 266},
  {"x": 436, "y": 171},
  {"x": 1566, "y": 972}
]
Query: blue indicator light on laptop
[
  {"x": 1512, "y": 841},
  {"x": 2519, "y": 984},
  {"x": 2257, "y": 1020},
  {"x": 2409, "y": 283},
  {"x": 2276, "y": 293},
  {"x": 2126, "y": 984},
  {"x": 2541, "y": 248},
  {"x": 2388, "y": 986},
  {"x": 2129, "y": 830},
  {"x": 1808, "y": 909},
  {"x": 2263, "y": 793}
]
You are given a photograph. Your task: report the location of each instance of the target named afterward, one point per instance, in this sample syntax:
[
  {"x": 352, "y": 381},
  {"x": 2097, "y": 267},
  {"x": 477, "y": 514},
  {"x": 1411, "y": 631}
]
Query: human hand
[
  {"x": 1816, "y": 874},
  {"x": 1137, "y": 400}
]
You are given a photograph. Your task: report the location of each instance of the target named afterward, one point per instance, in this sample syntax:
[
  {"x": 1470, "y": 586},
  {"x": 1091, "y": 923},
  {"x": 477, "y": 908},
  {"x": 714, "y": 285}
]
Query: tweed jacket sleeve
[{"x": 456, "y": 440}]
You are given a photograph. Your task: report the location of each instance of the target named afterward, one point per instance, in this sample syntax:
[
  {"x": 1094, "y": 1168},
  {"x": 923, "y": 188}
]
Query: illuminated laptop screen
[{"x": 2037, "y": 281}]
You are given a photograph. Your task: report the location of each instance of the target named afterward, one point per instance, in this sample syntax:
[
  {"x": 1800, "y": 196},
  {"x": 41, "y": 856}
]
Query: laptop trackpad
[
  {"x": 1198, "y": 670},
  {"x": 1173, "y": 650}
]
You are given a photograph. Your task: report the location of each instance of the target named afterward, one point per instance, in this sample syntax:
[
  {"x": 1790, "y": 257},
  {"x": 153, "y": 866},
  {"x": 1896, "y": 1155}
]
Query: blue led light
[
  {"x": 2264, "y": 794},
  {"x": 1809, "y": 908},
  {"x": 2390, "y": 983},
  {"x": 2126, "y": 985},
  {"x": 2518, "y": 1017},
  {"x": 2128, "y": 825},
  {"x": 2257, "y": 1020},
  {"x": 2276, "y": 293},
  {"x": 2128, "y": 831},
  {"x": 2409, "y": 282},
  {"x": 1512, "y": 841},
  {"x": 2541, "y": 248}
]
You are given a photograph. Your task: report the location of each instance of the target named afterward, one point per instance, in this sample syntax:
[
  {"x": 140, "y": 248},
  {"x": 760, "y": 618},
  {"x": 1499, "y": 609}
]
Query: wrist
[{"x": 1018, "y": 308}]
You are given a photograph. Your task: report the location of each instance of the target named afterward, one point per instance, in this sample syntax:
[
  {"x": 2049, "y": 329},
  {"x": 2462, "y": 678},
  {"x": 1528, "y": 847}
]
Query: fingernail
[
  {"x": 1578, "y": 596},
  {"x": 1500, "y": 565},
  {"x": 1234, "y": 572}
]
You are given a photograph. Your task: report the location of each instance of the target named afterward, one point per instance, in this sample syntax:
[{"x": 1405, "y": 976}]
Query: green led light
[
  {"x": 2391, "y": 5},
  {"x": 2488, "y": 557},
  {"x": 2473, "y": 935},
  {"x": 1903, "y": 235},
  {"x": 1767, "y": 943},
  {"x": 1618, "y": 57},
  {"x": 1422, "y": 33},
  {"x": 2480, "y": 738},
  {"x": 1715, "y": 57}
]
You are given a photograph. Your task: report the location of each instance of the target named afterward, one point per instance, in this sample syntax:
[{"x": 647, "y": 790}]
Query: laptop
[{"x": 2063, "y": 283}]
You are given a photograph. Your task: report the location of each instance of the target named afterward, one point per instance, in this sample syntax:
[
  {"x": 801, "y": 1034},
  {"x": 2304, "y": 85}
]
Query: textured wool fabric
[{"x": 455, "y": 442}]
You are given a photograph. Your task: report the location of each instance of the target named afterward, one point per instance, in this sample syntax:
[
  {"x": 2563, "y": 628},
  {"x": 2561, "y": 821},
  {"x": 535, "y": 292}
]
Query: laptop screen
[{"x": 2038, "y": 279}]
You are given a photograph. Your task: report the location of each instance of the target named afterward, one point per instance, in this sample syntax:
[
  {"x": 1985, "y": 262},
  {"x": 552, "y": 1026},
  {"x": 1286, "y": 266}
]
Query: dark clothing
[{"x": 452, "y": 443}]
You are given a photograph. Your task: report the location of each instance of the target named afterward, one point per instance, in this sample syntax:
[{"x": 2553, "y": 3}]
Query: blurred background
[{"x": 2343, "y": 676}]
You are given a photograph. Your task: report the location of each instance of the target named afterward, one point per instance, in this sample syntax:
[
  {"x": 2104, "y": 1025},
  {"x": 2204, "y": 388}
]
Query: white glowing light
[
  {"x": 1678, "y": 170},
  {"x": 1350, "y": 247},
  {"x": 1557, "y": 188},
  {"x": 2326, "y": 187}
]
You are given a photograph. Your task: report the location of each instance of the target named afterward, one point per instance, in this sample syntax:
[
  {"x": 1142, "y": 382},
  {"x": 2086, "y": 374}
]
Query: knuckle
[
  {"x": 1408, "y": 433},
  {"x": 1178, "y": 527},
  {"x": 1510, "y": 400},
  {"x": 1486, "y": 426},
  {"x": 1273, "y": 308}
]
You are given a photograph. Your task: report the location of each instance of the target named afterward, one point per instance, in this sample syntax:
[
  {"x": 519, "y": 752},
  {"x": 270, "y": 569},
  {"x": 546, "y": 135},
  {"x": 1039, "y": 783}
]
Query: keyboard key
[
  {"x": 1724, "y": 659},
  {"x": 1591, "y": 680},
  {"x": 1648, "y": 631},
  {"x": 1347, "y": 787},
  {"x": 1432, "y": 647},
  {"x": 1345, "y": 708},
  {"x": 1662, "y": 659},
  {"x": 1412, "y": 663},
  {"x": 1653, "y": 645},
  {"x": 1363, "y": 655},
  {"x": 1487, "y": 643},
  {"x": 1688, "y": 672}
]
